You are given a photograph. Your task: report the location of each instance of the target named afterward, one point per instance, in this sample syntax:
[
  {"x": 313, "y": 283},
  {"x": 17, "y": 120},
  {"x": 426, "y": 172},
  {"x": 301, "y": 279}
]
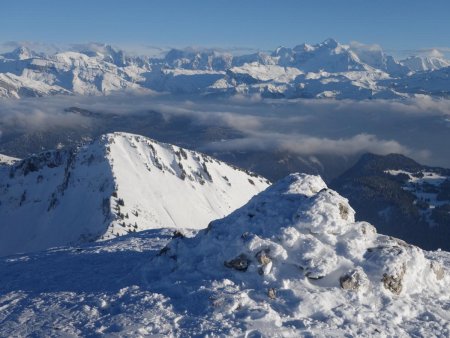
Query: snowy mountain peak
[
  {"x": 104, "y": 52},
  {"x": 119, "y": 183},
  {"x": 330, "y": 43},
  {"x": 304, "y": 47},
  {"x": 20, "y": 53}
]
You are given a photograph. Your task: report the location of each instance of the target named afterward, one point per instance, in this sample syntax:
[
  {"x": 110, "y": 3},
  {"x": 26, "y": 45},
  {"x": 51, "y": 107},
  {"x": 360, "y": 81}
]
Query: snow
[
  {"x": 435, "y": 82},
  {"x": 15, "y": 86},
  {"x": 118, "y": 184},
  {"x": 343, "y": 72},
  {"x": 291, "y": 262},
  {"x": 266, "y": 72},
  {"x": 418, "y": 183},
  {"x": 424, "y": 63},
  {"x": 425, "y": 177},
  {"x": 7, "y": 160}
]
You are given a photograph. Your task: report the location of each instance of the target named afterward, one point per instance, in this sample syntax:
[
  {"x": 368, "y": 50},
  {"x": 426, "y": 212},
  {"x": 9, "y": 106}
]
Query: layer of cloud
[
  {"x": 418, "y": 127},
  {"x": 365, "y": 47},
  {"x": 310, "y": 145},
  {"x": 40, "y": 47}
]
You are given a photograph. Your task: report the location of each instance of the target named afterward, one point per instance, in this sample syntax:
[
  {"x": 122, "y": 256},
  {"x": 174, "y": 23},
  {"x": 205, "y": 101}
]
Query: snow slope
[
  {"x": 291, "y": 262},
  {"x": 120, "y": 183},
  {"x": 14, "y": 86},
  {"x": 435, "y": 82},
  {"x": 425, "y": 63}
]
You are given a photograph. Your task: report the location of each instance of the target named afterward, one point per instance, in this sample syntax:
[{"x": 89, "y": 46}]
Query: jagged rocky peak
[
  {"x": 304, "y": 47},
  {"x": 104, "y": 52},
  {"x": 117, "y": 184},
  {"x": 20, "y": 53},
  {"x": 202, "y": 59},
  {"x": 330, "y": 43},
  {"x": 425, "y": 63},
  {"x": 297, "y": 234}
]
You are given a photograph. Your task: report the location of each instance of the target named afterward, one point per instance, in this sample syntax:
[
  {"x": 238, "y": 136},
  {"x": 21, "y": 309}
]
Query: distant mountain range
[{"x": 325, "y": 70}]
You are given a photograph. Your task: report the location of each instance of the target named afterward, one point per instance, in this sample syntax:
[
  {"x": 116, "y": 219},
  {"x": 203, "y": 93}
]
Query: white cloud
[
  {"x": 415, "y": 127},
  {"x": 309, "y": 145},
  {"x": 366, "y": 47}
]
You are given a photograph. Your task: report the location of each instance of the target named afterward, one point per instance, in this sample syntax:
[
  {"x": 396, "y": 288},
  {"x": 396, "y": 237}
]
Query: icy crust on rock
[
  {"x": 295, "y": 256},
  {"x": 118, "y": 184},
  {"x": 7, "y": 160}
]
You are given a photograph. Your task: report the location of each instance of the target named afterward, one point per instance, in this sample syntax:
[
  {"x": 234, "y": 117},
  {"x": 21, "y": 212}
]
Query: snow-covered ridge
[
  {"x": 118, "y": 184},
  {"x": 424, "y": 63},
  {"x": 102, "y": 70}
]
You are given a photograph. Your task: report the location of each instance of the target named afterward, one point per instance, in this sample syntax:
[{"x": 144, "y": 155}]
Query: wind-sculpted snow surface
[
  {"x": 118, "y": 184},
  {"x": 294, "y": 261},
  {"x": 291, "y": 262}
]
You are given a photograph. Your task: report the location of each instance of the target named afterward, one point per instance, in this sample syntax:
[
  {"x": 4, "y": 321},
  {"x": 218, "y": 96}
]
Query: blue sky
[{"x": 399, "y": 25}]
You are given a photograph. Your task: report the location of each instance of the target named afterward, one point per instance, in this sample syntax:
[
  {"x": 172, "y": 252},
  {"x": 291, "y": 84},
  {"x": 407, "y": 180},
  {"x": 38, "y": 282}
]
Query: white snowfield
[
  {"x": 118, "y": 184},
  {"x": 291, "y": 262}
]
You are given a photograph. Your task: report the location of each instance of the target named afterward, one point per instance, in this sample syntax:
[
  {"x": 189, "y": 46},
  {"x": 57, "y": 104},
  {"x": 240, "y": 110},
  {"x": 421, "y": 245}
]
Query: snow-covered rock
[
  {"x": 254, "y": 72},
  {"x": 198, "y": 60},
  {"x": 425, "y": 63},
  {"x": 14, "y": 86},
  {"x": 435, "y": 82},
  {"x": 20, "y": 53},
  {"x": 291, "y": 262},
  {"x": 118, "y": 184},
  {"x": 375, "y": 57},
  {"x": 7, "y": 160},
  {"x": 294, "y": 254}
]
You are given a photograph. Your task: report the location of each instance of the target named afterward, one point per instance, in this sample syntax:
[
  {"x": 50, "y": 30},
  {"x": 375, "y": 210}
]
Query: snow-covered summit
[
  {"x": 20, "y": 53},
  {"x": 120, "y": 183},
  {"x": 295, "y": 256}
]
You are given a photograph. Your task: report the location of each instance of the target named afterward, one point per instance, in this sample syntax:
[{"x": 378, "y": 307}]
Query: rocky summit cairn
[{"x": 300, "y": 233}]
